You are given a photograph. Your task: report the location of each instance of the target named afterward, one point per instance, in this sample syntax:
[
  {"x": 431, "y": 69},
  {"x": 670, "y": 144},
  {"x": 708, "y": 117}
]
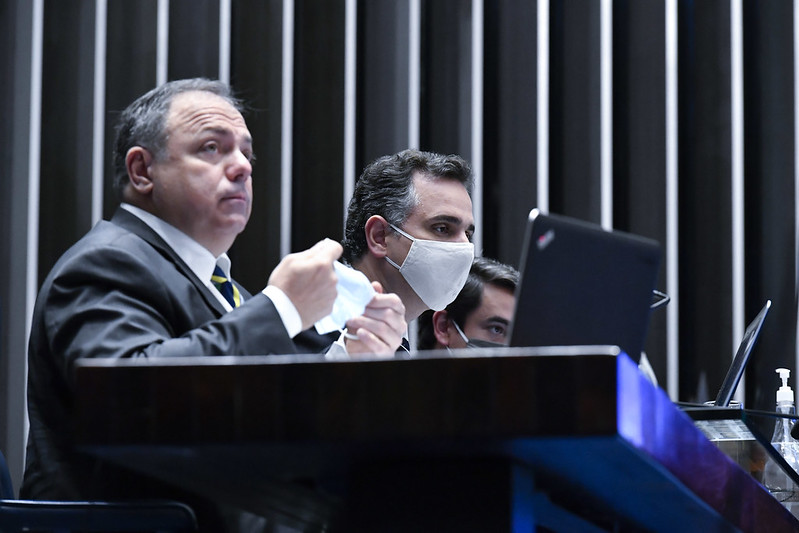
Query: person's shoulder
[
  {"x": 107, "y": 246},
  {"x": 106, "y": 235}
]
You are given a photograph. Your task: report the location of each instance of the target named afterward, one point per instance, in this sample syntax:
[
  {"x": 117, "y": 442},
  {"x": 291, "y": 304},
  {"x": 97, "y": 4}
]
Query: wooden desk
[{"x": 569, "y": 436}]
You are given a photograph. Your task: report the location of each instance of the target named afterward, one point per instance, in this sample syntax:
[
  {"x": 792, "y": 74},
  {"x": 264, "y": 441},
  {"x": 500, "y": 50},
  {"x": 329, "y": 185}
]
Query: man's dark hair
[
  {"x": 484, "y": 272},
  {"x": 386, "y": 188},
  {"x": 143, "y": 123}
]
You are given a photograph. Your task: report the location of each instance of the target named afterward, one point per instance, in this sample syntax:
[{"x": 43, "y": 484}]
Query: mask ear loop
[
  {"x": 460, "y": 332},
  {"x": 392, "y": 263},
  {"x": 348, "y": 335},
  {"x": 412, "y": 239}
]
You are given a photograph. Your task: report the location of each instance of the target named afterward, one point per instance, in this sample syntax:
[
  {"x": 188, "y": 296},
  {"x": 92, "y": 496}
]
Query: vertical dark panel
[
  {"x": 445, "y": 124},
  {"x": 509, "y": 173},
  {"x": 130, "y": 72},
  {"x": 193, "y": 39},
  {"x": 7, "y": 18},
  {"x": 66, "y": 141},
  {"x": 574, "y": 109},
  {"x": 639, "y": 140},
  {"x": 769, "y": 192},
  {"x": 704, "y": 197},
  {"x": 318, "y": 160},
  {"x": 256, "y": 67},
  {"x": 382, "y": 79}
]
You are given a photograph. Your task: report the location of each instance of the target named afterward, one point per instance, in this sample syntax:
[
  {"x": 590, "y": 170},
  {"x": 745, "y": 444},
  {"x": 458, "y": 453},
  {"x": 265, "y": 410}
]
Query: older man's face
[{"x": 204, "y": 185}]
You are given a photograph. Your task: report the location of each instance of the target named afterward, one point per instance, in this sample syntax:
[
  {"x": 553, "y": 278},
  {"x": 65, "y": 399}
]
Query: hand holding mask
[{"x": 354, "y": 292}]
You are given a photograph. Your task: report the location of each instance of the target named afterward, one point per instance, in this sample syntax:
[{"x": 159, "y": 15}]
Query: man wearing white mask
[{"x": 409, "y": 226}]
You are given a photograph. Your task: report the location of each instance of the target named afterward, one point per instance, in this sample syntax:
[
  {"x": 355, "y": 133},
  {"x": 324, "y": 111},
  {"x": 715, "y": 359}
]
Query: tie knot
[
  {"x": 226, "y": 287},
  {"x": 219, "y": 275}
]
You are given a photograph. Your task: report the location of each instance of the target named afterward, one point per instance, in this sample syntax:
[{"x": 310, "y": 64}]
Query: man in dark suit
[{"x": 154, "y": 281}]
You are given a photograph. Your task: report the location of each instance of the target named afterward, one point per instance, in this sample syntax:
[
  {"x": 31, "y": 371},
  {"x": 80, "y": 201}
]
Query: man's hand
[
  {"x": 380, "y": 328},
  {"x": 308, "y": 279}
]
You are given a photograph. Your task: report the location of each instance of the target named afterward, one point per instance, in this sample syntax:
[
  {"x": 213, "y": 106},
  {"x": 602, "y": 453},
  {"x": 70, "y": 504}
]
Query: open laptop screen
[
  {"x": 583, "y": 285},
  {"x": 738, "y": 365}
]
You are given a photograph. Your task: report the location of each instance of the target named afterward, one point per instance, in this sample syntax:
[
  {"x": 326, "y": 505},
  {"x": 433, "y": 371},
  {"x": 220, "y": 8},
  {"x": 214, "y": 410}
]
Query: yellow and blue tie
[{"x": 226, "y": 287}]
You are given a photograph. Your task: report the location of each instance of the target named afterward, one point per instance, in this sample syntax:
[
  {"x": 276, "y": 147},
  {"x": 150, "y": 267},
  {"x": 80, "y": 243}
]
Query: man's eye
[
  {"x": 441, "y": 229},
  {"x": 497, "y": 330},
  {"x": 210, "y": 147}
]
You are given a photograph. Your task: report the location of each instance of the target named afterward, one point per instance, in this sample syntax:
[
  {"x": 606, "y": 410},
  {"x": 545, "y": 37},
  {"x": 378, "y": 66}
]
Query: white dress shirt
[{"x": 202, "y": 263}]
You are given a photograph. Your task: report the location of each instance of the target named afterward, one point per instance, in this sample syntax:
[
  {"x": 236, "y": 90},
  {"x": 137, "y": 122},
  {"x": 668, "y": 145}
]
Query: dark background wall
[{"x": 689, "y": 199}]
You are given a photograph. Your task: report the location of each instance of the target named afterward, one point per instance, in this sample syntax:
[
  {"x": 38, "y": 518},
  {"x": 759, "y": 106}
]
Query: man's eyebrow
[
  {"x": 445, "y": 218},
  {"x": 499, "y": 319},
  {"x": 224, "y": 132},
  {"x": 451, "y": 219}
]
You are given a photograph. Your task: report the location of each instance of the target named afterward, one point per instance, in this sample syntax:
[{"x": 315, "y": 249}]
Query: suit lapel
[{"x": 135, "y": 225}]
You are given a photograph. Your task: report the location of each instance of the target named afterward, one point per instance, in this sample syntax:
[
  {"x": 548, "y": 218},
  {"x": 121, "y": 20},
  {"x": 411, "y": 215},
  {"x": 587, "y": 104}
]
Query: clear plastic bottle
[{"x": 776, "y": 480}]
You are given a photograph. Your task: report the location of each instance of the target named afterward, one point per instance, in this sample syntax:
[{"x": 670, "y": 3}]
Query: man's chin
[
  {"x": 235, "y": 207},
  {"x": 234, "y": 224},
  {"x": 236, "y": 211}
]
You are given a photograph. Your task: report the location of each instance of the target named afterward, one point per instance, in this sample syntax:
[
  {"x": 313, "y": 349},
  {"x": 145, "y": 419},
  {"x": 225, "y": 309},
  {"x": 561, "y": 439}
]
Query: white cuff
[
  {"x": 285, "y": 308},
  {"x": 337, "y": 351}
]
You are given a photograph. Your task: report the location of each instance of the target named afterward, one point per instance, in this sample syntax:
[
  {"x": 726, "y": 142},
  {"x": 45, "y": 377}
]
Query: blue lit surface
[{"x": 583, "y": 420}]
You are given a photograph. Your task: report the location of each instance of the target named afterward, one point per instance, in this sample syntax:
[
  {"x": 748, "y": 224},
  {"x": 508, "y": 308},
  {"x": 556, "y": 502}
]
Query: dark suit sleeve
[
  {"x": 309, "y": 341},
  {"x": 116, "y": 294},
  {"x": 130, "y": 301}
]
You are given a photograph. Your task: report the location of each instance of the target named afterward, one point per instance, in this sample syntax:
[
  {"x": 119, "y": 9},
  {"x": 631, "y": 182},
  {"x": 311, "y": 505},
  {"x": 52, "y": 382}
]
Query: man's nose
[{"x": 239, "y": 166}]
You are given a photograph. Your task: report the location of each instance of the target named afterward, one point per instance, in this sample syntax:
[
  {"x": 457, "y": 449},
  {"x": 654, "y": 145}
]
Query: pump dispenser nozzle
[
  {"x": 784, "y": 393},
  {"x": 778, "y": 481}
]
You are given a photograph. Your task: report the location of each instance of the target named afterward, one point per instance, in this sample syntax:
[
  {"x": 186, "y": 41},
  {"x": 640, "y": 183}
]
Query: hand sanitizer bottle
[{"x": 779, "y": 484}]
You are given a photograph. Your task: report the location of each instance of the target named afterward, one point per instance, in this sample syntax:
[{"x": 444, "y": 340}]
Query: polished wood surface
[{"x": 295, "y": 437}]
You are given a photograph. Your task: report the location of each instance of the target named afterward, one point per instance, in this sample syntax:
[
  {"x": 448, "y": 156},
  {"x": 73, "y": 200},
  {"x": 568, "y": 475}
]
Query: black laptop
[
  {"x": 583, "y": 285},
  {"x": 743, "y": 434},
  {"x": 736, "y": 370}
]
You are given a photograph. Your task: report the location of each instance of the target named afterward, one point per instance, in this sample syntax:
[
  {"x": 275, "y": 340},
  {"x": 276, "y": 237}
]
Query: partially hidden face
[{"x": 491, "y": 320}]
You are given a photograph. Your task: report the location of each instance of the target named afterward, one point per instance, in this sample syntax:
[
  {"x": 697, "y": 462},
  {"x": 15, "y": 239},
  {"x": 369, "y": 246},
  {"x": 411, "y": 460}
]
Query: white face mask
[{"x": 435, "y": 270}]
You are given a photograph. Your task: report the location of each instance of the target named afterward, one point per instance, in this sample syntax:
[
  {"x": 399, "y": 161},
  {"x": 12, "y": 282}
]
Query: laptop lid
[
  {"x": 582, "y": 285},
  {"x": 738, "y": 365}
]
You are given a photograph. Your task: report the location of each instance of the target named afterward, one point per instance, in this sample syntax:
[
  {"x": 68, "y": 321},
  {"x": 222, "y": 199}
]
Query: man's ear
[
  {"x": 441, "y": 327},
  {"x": 376, "y": 231},
  {"x": 138, "y": 162}
]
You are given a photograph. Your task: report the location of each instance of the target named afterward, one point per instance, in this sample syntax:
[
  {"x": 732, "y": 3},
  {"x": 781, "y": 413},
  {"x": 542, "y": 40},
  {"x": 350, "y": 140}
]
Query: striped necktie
[{"x": 224, "y": 285}]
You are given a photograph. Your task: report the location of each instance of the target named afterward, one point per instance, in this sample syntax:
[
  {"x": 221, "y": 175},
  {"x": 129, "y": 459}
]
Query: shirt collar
[{"x": 198, "y": 258}]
